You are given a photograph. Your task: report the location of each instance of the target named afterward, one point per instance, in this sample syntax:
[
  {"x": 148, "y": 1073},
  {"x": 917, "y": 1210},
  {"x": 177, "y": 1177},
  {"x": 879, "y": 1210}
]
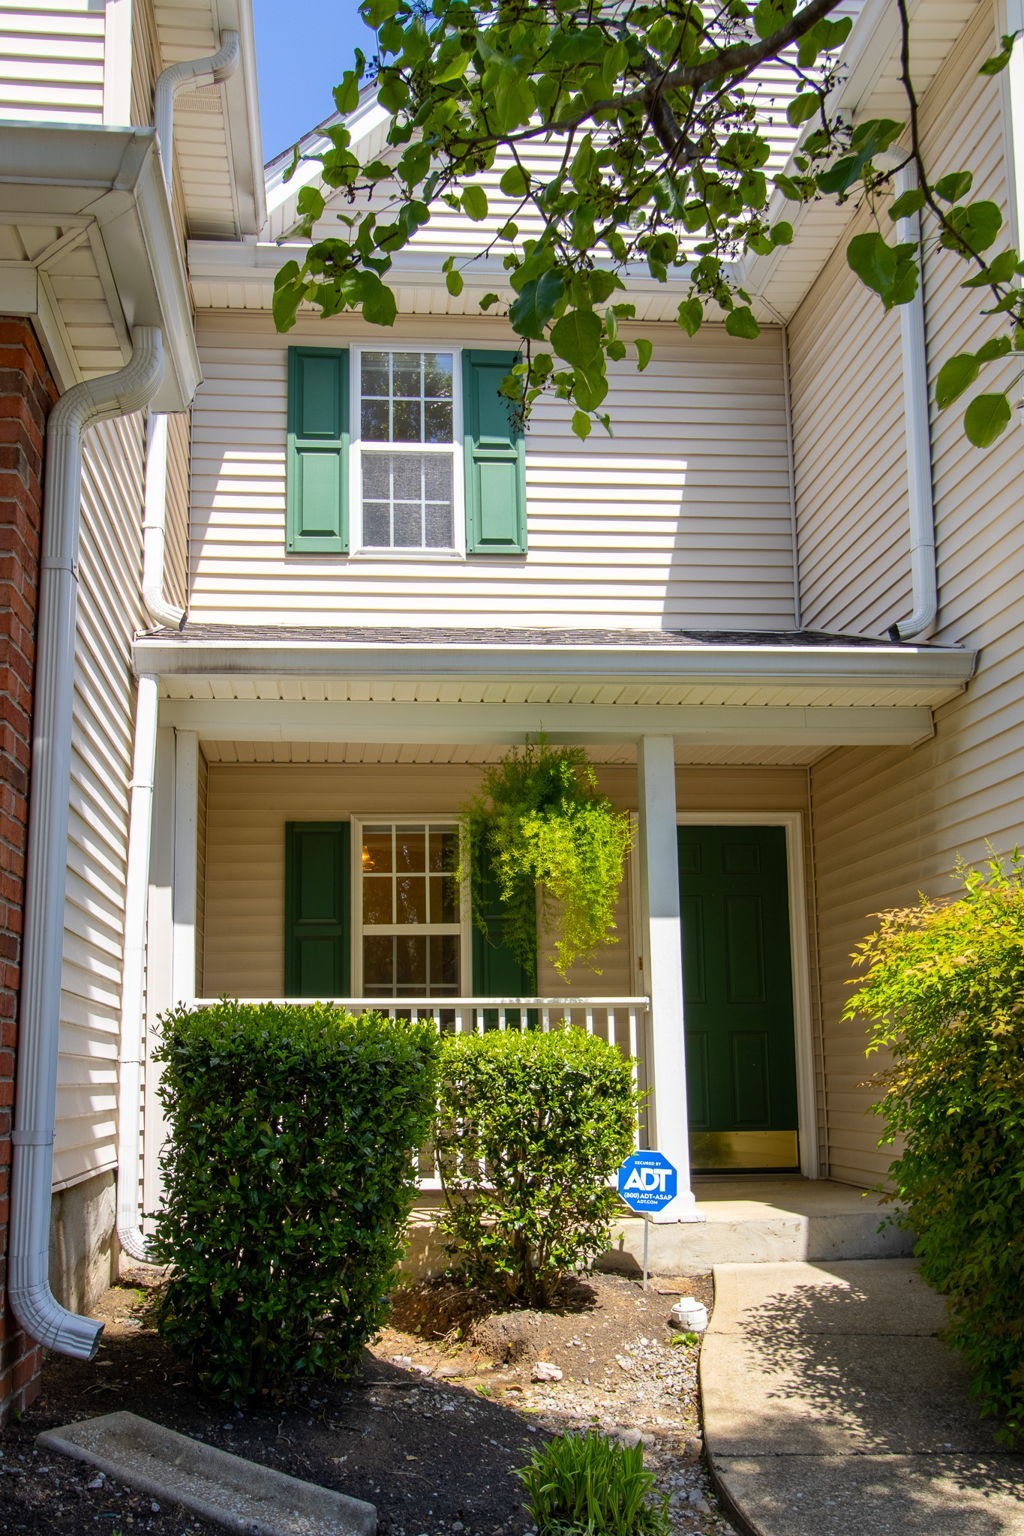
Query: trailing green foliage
[
  {"x": 530, "y": 1128},
  {"x": 660, "y": 159},
  {"x": 540, "y": 824},
  {"x": 944, "y": 990},
  {"x": 289, "y": 1173},
  {"x": 588, "y": 1483}
]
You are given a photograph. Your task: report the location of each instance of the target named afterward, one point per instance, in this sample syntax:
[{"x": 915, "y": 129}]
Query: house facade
[{"x": 780, "y": 609}]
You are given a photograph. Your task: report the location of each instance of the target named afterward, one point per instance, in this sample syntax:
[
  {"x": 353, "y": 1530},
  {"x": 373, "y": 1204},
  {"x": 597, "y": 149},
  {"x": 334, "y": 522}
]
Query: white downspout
[
  {"x": 116, "y": 394},
  {"x": 133, "y": 978},
  {"x": 924, "y": 580},
  {"x": 195, "y": 73}
]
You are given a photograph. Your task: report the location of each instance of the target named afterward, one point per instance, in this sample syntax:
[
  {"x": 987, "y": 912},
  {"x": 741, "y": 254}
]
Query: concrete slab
[
  {"x": 874, "y": 1296},
  {"x": 832, "y": 1409},
  {"x": 873, "y": 1495},
  {"x": 237, "y": 1494},
  {"x": 826, "y": 1394}
]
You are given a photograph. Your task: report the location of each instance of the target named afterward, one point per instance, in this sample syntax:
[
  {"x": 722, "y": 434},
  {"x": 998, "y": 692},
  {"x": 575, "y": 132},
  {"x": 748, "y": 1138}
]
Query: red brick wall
[{"x": 26, "y": 394}]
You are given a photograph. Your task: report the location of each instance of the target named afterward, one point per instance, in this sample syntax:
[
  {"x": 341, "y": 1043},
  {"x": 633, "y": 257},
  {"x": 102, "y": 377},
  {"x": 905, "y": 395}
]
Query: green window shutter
[
  {"x": 496, "y": 971},
  {"x": 318, "y": 433},
  {"x": 317, "y": 942},
  {"x": 495, "y": 459}
]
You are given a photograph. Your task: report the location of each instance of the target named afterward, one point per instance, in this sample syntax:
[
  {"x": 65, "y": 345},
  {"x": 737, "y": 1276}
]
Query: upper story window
[
  {"x": 401, "y": 451},
  {"x": 407, "y": 476}
]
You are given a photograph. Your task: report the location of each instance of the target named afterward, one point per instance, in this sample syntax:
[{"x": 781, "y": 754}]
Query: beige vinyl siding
[
  {"x": 890, "y": 823},
  {"x": 179, "y": 449},
  {"x": 247, "y": 808},
  {"x": 51, "y": 61},
  {"x": 683, "y": 517},
  {"x": 102, "y": 738},
  {"x": 146, "y": 63},
  {"x": 849, "y": 456}
]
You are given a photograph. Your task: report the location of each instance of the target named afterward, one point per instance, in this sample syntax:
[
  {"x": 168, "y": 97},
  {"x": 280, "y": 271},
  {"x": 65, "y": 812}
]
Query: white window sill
[{"x": 407, "y": 554}]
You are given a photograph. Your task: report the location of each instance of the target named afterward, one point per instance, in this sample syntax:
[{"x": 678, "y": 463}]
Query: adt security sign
[{"x": 648, "y": 1181}]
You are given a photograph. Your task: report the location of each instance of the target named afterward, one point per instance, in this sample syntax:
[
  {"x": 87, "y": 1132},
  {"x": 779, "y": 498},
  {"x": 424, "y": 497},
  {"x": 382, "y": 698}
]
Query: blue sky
[{"x": 303, "y": 48}]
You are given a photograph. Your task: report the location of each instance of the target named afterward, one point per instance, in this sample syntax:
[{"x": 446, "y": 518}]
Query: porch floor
[{"x": 747, "y": 1219}]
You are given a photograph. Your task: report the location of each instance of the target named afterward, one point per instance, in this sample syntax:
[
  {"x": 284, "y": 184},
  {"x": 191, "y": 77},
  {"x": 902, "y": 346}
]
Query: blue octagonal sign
[{"x": 648, "y": 1181}]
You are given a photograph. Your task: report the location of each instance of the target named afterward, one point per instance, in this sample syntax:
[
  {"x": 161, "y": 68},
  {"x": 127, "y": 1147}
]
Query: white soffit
[
  {"x": 87, "y": 249},
  {"x": 870, "y": 87},
  {"x": 217, "y": 143}
]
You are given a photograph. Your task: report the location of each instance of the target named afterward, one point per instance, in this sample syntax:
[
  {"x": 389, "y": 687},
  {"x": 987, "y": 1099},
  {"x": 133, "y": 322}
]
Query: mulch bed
[{"x": 443, "y": 1410}]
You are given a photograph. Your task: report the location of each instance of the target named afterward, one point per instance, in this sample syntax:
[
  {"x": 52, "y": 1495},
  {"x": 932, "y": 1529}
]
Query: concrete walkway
[{"x": 832, "y": 1409}]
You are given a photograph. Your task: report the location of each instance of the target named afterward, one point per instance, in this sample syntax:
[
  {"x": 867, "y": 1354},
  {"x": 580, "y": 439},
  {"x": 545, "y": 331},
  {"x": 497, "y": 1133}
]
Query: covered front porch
[{"x": 331, "y": 773}]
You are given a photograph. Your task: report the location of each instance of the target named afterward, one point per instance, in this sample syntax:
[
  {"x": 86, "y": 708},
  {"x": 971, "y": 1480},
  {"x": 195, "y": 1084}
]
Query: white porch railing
[{"x": 619, "y": 1020}]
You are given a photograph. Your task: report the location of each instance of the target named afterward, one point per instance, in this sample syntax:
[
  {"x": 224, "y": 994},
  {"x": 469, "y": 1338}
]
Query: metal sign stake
[{"x": 647, "y": 1228}]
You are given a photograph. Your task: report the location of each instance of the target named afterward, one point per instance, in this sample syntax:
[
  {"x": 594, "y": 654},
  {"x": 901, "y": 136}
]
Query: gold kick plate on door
[{"x": 717, "y": 1150}]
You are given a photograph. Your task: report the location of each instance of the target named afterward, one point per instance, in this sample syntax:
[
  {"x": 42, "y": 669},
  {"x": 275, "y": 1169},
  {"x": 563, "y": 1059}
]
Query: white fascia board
[
  {"x": 240, "y": 94},
  {"x": 581, "y": 724},
  {"x": 946, "y": 671},
  {"x": 367, "y": 126},
  {"x": 110, "y": 177}
]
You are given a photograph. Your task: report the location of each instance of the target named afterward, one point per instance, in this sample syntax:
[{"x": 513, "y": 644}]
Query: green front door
[{"x": 738, "y": 997}]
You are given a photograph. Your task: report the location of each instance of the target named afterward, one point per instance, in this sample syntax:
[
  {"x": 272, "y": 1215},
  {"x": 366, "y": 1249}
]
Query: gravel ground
[{"x": 447, "y": 1404}]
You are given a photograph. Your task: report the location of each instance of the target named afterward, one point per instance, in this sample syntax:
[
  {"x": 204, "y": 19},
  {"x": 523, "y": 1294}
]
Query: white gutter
[
  {"x": 116, "y": 394},
  {"x": 924, "y": 579},
  {"x": 129, "y": 1116}
]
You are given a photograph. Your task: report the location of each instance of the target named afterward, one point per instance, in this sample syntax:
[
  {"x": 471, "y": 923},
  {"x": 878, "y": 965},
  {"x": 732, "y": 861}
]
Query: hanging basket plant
[{"x": 541, "y": 825}]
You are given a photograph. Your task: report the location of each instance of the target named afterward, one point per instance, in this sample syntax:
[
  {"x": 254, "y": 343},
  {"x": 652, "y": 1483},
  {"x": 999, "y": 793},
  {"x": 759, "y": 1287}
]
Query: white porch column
[
  {"x": 663, "y": 965},
  {"x": 159, "y": 960},
  {"x": 183, "y": 905}
]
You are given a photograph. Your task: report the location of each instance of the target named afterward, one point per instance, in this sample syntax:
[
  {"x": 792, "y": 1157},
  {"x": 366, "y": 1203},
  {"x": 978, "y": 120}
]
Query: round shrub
[
  {"x": 531, "y": 1127},
  {"x": 289, "y": 1173}
]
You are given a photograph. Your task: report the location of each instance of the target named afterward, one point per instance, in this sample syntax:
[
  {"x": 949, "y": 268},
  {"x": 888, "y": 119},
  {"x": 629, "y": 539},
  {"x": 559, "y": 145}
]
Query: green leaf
[
  {"x": 346, "y": 95},
  {"x": 781, "y": 233},
  {"x": 515, "y": 182},
  {"x": 990, "y": 351},
  {"x": 577, "y": 337},
  {"x": 691, "y": 314},
  {"x": 581, "y": 424},
  {"x": 741, "y": 322},
  {"x": 998, "y": 62},
  {"x": 889, "y": 270},
  {"x": 374, "y": 12},
  {"x": 953, "y": 187},
  {"x": 537, "y": 305},
  {"x": 908, "y": 203},
  {"x": 973, "y": 226},
  {"x": 802, "y": 108},
  {"x": 376, "y": 299},
  {"x": 644, "y": 351},
  {"x": 986, "y": 418},
  {"x": 454, "y": 283},
  {"x": 289, "y": 291},
  {"x": 956, "y": 374},
  {"x": 770, "y": 16},
  {"x": 474, "y": 202},
  {"x": 310, "y": 204}
]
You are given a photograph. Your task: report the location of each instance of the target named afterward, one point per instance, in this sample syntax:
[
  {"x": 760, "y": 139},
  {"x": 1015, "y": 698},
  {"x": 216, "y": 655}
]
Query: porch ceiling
[
  {"x": 420, "y": 754},
  {"x": 798, "y": 692}
]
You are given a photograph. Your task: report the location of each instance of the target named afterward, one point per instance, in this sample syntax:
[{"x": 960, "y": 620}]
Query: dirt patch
[{"x": 445, "y": 1406}]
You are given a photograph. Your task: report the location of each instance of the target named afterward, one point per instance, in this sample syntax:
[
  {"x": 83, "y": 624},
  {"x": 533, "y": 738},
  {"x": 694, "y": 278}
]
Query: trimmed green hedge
[
  {"x": 530, "y": 1129},
  {"x": 289, "y": 1171}
]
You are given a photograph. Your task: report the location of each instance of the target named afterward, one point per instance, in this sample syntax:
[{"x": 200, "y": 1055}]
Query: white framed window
[
  {"x": 411, "y": 933},
  {"x": 406, "y": 473}
]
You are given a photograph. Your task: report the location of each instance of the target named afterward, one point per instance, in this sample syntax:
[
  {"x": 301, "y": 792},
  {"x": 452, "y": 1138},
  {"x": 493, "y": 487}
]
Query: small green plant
[
  {"x": 944, "y": 991},
  {"x": 530, "y": 1128},
  {"x": 540, "y": 824},
  {"x": 289, "y": 1173},
  {"x": 588, "y": 1483},
  {"x": 688, "y": 1340}
]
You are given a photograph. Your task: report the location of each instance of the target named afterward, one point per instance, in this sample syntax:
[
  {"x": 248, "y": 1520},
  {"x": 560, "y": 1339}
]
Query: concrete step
[
  {"x": 743, "y": 1220},
  {"x": 240, "y": 1495}
]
